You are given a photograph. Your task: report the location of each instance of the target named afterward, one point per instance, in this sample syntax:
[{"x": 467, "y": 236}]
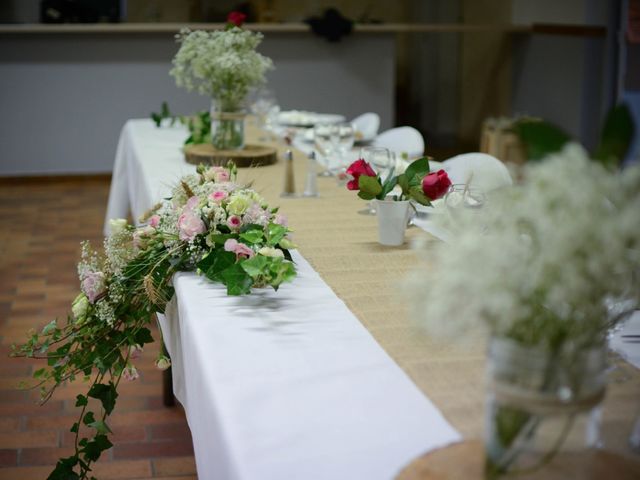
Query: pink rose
[
  {"x": 236, "y": 18},
  {"x": 218, "y": 196},
  {"x": 154, "y": 221},
  {"x": 240, "y": 249},
  {"x": 436, "y": 184},
  {"x": 192, "y": 203},
  {"x": 281, "y": 220},
  {"x": 234, "y": 222},
  {"x": 93, "y": 285},
  {"x": 189, "y": 225},
  {"x": 356, "y": 169}
]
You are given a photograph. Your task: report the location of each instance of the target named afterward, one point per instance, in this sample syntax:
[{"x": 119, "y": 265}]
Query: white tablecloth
[{"x": 275, "y": 385}]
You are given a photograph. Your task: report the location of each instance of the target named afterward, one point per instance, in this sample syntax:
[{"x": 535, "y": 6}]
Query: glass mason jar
[
  {"x": 227, "y": 129},
  {"x": 540, "y": 404}
]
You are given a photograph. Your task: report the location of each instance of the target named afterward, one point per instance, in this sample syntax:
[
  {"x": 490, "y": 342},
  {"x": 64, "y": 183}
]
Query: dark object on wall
[
  {"x": 332, "y": 25},
  {"x": 79, "y": 11}
]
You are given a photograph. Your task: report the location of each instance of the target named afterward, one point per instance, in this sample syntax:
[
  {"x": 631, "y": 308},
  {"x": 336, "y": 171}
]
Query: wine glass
[
  {"x": 264, "y": 102},
  {"x": 324, "y": 145},
  {"x": 342, "y": 139},
  {"x": 381, "y": 160},
  {"x": 462, "y": 200}
]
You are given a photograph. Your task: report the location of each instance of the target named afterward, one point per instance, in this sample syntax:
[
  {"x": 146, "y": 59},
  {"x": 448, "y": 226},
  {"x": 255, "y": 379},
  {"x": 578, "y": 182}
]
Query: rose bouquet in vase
[
  {"x": 393, "y": 194},
  {"x": 225, "y": 65}
]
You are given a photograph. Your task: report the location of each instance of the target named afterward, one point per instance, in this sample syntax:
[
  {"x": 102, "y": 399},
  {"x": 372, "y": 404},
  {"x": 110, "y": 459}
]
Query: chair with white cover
[
  {"x": 367, "y": 125},
  {"x": 489, "y": 173},
  {"x": 402, "y": 140}
]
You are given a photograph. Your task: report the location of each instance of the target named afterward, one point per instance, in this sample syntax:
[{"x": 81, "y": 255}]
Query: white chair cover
[
  {"x": 367, "y": 124},
  {"x": 489, "y": 173},
  {"x": 402, "y": 140}
]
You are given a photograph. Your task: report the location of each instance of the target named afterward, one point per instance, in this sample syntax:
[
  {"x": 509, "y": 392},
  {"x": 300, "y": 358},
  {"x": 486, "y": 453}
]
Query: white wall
[
  {"x": 64, "y": 98},
  {"x": 562, "y": 78}
]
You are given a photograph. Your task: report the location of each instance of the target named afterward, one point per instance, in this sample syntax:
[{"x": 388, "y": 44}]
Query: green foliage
[
  {"x": 370, "y": 187},
  {"x": 164, "y": 113},
  {"x": 541, "y": 138},
  {"x": 199, "y": 125},
  {"x": 616, "y": 137},
  {"x": 411, "y": 181}
]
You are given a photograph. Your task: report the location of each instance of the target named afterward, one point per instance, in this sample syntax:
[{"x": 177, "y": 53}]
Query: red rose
[
  {"x": 236, "y": 18},
  {"x": 436, "y": 184},
  {"x": 356, "y": 169}
]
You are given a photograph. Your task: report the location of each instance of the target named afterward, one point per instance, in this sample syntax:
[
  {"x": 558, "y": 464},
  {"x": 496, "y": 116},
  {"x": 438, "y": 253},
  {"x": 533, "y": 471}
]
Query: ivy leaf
[
  {"x": 64, "y": 469},
  {"x": 616, "y": 137},
  {"x": 107, "y": 394},
  {"x": 49, "y": 327},
  {"x": 238, "y": 282},
  {"x": 252, "y": 236},
  {"x": 88, "y": 418},
  {"x": 100, "y": 426},
  {"x": 370, "y": 187},
  {"x": 540, "y": 138},
  {"x": 255, "y": 266},
  {"x": 94, "y": 448},
  {"x": 81, "y": 401},
  {"x": 143, "y": 336},
  {"x": 216, "y": 262},
  {"x": 75, "y": 428},
  {"x": 275, "y": 233}
]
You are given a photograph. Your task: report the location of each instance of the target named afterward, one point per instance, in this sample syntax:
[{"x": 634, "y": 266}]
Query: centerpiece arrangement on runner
[
  {"x": 224, "y": 65},
  {"x": 210, "y": 225}
]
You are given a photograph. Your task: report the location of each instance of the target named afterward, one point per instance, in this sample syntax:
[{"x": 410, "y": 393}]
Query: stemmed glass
[
  {"x": 264, "y": 103},
  {"x": 324, "y": 145},
  {"x": 381, "y": 160},
  {"x": 463, "y": 199},
  {"x": 342, "y": 139}
]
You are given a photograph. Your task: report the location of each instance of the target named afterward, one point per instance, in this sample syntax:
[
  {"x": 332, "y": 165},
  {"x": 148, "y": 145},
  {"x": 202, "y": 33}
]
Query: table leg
[{"x": 168, "y": 398}]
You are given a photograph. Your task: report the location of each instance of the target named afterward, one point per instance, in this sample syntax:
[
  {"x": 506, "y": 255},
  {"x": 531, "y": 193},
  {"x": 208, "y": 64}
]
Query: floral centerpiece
[
  {"x": 211, "y": 225},
  {"x": 224, "y": 65},
  {"x": 417, "y": 183},
  {"x": 546, "y": 271}
]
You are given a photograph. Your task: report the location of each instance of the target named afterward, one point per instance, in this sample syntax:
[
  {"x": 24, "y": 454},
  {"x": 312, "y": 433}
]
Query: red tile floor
[{"x": 42, "y": 222}]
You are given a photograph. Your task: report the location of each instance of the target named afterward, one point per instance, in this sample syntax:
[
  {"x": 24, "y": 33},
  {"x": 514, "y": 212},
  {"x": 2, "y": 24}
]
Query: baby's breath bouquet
[
  {"x": 546, "y": 269},
  {"x": 211, "y": 225},
  {"x": 225, "y": 65}
]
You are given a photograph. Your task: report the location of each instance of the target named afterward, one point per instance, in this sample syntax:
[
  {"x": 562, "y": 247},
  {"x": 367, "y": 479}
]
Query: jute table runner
[{"x": 341, "y": 245}]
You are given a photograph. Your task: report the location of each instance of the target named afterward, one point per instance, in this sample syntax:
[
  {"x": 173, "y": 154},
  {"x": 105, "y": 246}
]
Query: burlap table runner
[{"x": 341, "y": 245}]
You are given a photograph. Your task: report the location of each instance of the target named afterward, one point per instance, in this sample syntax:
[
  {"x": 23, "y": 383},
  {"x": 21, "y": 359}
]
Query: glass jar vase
[
  {"x": 227, "y": 130},
  {"x": 541, "y": 403}
]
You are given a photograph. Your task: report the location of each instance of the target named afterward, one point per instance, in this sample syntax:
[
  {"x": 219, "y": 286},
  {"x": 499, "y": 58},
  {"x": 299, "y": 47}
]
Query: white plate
[
  {"x": 360, "y": 138},
  {"x": 297, "y": 118}
]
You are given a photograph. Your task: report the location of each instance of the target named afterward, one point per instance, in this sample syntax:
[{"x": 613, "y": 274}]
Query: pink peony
[
  {"x": 234, "y": 222},
  {"x": 240, "y": 249},
  {"x": 93, "y": 285},
  {"x": 192, "y": 203},
  {"x": 154, "y": 221},
  {"x": 189, "y": 225},
  {"x": 218, "y": 196}
]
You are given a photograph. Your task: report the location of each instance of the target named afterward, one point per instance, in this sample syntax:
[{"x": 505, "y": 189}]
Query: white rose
[
  {"x": 271, "y": 252},
  {"x": 117, "y": 225}
]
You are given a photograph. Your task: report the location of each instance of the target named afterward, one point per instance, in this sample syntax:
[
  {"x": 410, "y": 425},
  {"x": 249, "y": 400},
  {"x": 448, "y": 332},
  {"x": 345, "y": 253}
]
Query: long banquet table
[{"x": 327, "y": 378}]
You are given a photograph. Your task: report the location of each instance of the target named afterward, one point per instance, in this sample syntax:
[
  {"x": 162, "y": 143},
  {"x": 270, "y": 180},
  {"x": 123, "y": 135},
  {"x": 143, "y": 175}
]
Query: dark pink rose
[
  {"x": 356, "y": 169},
  {"x": 237, "y": 18},
  {"x": 436, "y": 184}
]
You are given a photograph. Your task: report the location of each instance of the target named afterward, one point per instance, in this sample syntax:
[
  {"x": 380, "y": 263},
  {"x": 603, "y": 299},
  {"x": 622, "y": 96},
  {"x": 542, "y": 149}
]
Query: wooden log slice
[
  {"x": 249, "y": 156},
  {"x": 465, "y": 461}
]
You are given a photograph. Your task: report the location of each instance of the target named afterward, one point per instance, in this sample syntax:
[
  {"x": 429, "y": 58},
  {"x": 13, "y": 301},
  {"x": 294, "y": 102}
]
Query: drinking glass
[
  {"x": 342, "y": 139},
  {"x": 462, "y": 200},
  {"x": 381, "y": 160},
  {"x": 263, "y": 103},
  {"x": 324, "y": 145}
]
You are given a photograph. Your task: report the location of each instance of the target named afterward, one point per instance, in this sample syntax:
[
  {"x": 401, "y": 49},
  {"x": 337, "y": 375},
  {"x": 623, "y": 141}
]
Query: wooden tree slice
[
  {"x": 465, "y": 461},
  {"x": 249, "y": 156}
]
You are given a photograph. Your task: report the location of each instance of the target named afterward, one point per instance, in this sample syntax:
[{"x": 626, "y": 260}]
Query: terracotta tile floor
[{"x": 41, "y": 225}]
